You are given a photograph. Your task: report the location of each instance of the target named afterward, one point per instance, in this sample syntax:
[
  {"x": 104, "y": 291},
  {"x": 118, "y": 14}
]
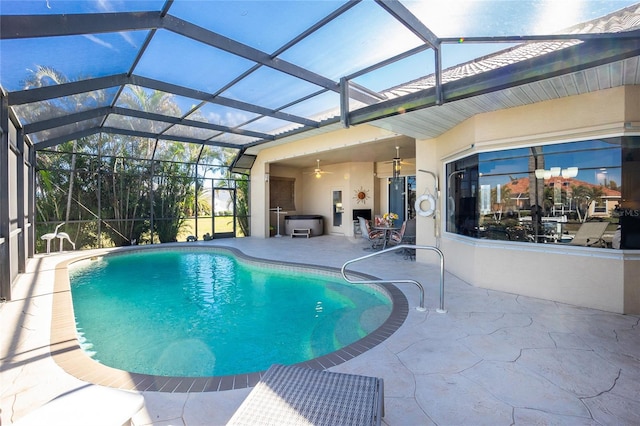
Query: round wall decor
[{"x": 361, "y": 195}]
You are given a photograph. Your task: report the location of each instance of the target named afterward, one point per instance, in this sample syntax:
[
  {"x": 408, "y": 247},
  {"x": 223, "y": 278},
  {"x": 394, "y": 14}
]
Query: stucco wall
[
  {"x": 315, "y": 194},
  {"x": 581, "y": 276},
  {"x": 597, "y": 278},
  {"x": 632, "y": 283},
  {"x": 345, "y": 177}
]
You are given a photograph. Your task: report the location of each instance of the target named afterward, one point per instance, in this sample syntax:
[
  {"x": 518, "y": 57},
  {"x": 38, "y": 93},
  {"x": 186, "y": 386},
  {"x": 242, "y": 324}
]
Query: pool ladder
[{"x": 440, "y": 310}]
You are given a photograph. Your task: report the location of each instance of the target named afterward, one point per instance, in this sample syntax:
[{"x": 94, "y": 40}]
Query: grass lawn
[{"x": 223, "y": 224}]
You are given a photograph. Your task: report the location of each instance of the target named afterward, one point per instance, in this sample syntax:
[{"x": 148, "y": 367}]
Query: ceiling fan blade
[{"x": 317, "y": 170}]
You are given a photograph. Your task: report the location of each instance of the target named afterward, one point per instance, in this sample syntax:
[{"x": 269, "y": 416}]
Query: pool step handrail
[{"x": 440, "y": 310}]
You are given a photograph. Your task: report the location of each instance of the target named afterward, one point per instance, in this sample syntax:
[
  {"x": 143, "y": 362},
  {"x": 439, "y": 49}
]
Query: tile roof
[
  {"x": 521, "y": 185},
  {"x": 626, "y": 19}
]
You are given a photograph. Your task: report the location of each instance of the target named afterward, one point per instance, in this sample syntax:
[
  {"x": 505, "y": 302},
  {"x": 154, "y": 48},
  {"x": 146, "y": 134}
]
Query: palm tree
[
  {"x": 130, "y": 194},
  {"x": 47, "y": 76},
  {"x": 585, "y": 196}
]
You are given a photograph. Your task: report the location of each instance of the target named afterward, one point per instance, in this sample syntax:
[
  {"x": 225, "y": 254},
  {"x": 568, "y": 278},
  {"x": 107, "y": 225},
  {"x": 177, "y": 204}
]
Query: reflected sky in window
[{"x": 597, "y": 161}]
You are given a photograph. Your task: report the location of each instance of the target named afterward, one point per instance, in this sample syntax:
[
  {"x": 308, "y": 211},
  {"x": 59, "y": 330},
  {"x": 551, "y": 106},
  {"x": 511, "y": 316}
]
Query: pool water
[{"x": 193, "y": 314}]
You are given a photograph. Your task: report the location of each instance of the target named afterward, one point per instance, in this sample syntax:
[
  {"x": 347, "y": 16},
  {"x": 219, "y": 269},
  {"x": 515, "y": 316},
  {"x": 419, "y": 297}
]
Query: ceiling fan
[{"x": 318, "y": 172}]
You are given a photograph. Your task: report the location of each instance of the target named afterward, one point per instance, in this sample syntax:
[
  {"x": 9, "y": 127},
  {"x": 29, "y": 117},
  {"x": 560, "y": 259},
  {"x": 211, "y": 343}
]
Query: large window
[{"x": 578, "y": 193}]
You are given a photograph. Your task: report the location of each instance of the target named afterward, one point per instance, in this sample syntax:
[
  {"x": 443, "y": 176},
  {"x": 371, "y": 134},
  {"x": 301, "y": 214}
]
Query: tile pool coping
[{"x": 66, "y": 351}]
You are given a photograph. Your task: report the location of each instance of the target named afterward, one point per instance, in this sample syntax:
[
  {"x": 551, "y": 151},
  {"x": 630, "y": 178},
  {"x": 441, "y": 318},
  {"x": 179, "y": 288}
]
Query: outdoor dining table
[{"x": 388, "y": 230}]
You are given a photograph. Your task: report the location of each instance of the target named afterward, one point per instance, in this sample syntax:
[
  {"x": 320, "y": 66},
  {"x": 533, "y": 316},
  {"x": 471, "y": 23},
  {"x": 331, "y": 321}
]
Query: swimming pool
[{"x": 269, "y": 315}]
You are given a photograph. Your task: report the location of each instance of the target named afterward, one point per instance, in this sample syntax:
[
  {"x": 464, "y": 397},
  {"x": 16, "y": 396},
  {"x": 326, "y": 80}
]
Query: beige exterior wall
[
  {"x": 429, "y": 228},
  {"x": 597, "y": 278},
  {"x": 632, "y": 287},
  {"x": 587, "y": 277}
]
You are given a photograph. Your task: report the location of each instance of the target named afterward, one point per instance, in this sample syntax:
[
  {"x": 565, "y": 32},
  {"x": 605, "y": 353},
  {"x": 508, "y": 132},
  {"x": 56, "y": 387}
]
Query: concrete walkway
[{"x": 492, "y": 359}]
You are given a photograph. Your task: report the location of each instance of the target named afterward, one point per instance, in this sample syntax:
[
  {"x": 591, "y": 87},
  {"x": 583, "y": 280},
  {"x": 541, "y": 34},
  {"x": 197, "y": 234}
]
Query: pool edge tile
[{"x": 66, "y": 352}]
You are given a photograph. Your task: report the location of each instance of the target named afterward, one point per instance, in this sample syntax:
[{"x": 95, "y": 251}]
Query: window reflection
[
  {"x": 462, "y": 184},
  {"x": 544, "y": 194}
]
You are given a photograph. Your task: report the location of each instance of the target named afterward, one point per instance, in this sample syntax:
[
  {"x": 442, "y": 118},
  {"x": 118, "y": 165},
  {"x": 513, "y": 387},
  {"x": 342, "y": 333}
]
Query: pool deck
[{"x": 493, "y": 358}]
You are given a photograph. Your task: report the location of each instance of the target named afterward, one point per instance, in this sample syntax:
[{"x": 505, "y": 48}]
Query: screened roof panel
[
  {"x": 60, "y": 107},
  {"x": 73, "y": 58},
  {"x": 281, "y": 89},
  {"x": 135, "y": 124},
  {"x": 264, "y": 25},
  {"x": 143, "y": 99},
  {"x": 361, "y": 37},
  {"x": 257, "y": 71},
  {"x": 270, "y": 125},
  {"x": 221, "y": 115},
  {"x": 49, "y": 7},
  {"x": 64, "y": 130},
  {"x": 397, "y": 73},
  {"x": 191, "y": 132},
  {"x": 185, "y": 62},
  {"x": 317, "y": 108},
  {"x": 234, "y": 139}
]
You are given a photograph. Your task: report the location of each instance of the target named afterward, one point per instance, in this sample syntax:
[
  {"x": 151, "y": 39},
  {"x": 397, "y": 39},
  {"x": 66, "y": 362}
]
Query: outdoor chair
[
  {"x": 590, "y": 234},
  {"x": 87, "y": 405},
  {"x": 376, "y": 238},
  {"x": 406, "y": 235},
  {"x": 294, "y": 395},
  {"x": 50, "y": 236}
]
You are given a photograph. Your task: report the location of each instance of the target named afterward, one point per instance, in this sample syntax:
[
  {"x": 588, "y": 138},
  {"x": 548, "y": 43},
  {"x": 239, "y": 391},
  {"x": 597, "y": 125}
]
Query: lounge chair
[
  {"x": 50, "y": 236},
  {"x": 64, "y": 236},
  {"x": 293, "y": 395},
  {"x": 376, "y": 238},
  {"x": 590, "y": 234},
  {"x": 87, "y": 405}
]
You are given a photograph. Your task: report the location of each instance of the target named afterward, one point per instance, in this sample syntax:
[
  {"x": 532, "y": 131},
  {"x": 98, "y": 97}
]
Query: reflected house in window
[
  {"x": 538, "y": 194},
  {"x": 563, "y": 200}
]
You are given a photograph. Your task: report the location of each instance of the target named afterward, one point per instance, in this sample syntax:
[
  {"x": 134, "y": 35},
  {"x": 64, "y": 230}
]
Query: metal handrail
[{"x": 440, "y": 310}]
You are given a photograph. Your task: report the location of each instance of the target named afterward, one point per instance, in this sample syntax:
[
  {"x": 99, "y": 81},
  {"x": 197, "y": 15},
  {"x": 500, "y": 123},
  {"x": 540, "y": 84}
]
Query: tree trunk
[{"x": 72, "y": 175}]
